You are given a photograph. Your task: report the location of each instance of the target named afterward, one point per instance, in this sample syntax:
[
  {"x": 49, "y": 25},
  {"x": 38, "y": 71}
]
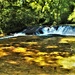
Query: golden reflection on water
[{"x": 36, "y": 52}]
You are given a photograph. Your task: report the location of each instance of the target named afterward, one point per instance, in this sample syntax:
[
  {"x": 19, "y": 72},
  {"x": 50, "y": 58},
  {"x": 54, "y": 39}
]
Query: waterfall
[
  {"x": 58, "y": 30},
  {"x": 64, "y": 30}
]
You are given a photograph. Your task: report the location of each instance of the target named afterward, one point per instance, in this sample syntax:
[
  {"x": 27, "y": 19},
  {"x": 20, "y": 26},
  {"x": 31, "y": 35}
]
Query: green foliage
[
  {"x": 72, "y": 16},
  {"x": 16, "y": 14},
  {"x": 72, "y": 9}
]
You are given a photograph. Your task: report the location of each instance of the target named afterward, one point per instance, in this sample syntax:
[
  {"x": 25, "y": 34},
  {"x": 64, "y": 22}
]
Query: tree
[{"x": 16, "y": 14}]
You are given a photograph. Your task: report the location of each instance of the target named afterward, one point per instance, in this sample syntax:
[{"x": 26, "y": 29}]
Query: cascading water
[
  {"x": 69, "y": 31},
  {"x": 46, "y": 31},
  {"x": 58, "y": 30}
]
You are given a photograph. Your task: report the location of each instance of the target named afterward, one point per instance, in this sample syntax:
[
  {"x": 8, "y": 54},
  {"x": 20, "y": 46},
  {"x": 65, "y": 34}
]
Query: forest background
[{"x": 15, "y": 15}]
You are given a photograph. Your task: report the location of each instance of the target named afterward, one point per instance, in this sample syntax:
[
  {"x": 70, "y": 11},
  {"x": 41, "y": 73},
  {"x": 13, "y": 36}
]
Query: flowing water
[
  {"x": 37, "y": 55},
  {"x": 59, "y": 30},
  {"x": 46, "y": 31}
]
